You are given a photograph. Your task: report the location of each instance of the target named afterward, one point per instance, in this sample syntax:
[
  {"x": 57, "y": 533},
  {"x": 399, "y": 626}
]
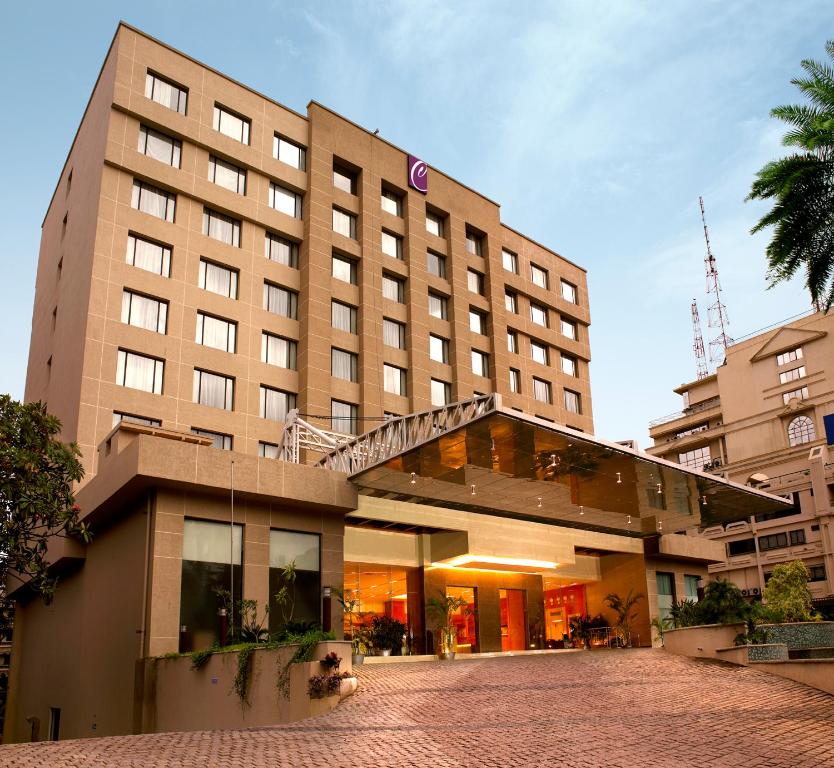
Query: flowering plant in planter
[
  {"x": 319, "y": 686},
  {"x": 331, "y": 661}
]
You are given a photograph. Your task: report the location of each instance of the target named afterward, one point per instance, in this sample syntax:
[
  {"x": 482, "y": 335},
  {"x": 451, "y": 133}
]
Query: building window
[
  {"x": 568, "y": 291},
  {"x": 144, "y": 312},
  {"x": 538, "y": 314},
  {"x": 302, "y": 551},
  {"x": 220, "y": 227},
  {"x": 799, "y": 394},
  {"x": 159, "y": 146},
  {"x": 515, "y": 380},
  {"x": 394, "y": 379},
  {"x": 569, "y": 365},
  {"x": 438, "y": 349},
  {"x": 438, "y": 306},
  {"x": 434, "y": 224},
  {"x": 284, "y": 200},
  {"x": 477, "y": 322},
  {"x": 268, "y": 450},
  {"x": 510, "y": 261},
  {"x": 218, "y": 279},
  {"x": 164, "y": 92},
  {"x": 344, "y": 179},
  {"x": 475, "y": 281},
  {"x": 278, "y": 351},
  {"x": 215, "y": 332},
  {"x": 539, "y": 353},
  {"x": 344, "y": 365},
  {"x": 153, "y": 201},
  {"x": 214, "y": 390},
  {"x": 343, "y": 316},
  {"x": 480, "y": 363},
  {"x": 227, "y": 175},
  {"x": 131, "y": 418},
  {"x": 573, "y": 402},
  {"x": 690, "y": 587},
  {"x": 441, "y": 393},
  {"x": 231, "y": 125},
  {"x": 801, "y": 430},
  {"x": 344, "y": 269},
  {"x": 393, "y": 333},
  {"x": 474, "y": 243},
  {"x": 275, "y": 404},
  {"x": 393, "y": 288},
  {"x": 280, "y": 301},
  {"x": 211, "y": 557},
  {"x": 789, "y": 356},
  {"x": 289, "y": 153},
  {"x": 538, "y": 276},
  {"x": 568, "y": 328},
  {"x": 797, "y": 536},
  {"x": 816, "y": 573},
  {"x": 792, "y": 375},
  {"x": 392, "y": 245},
  {"x": 344, "y": 223},
  {"x": 392, "y": 203},
  {"x": 512, "y": 341},
  {"x": 219, "y": 440},
  {"x": 665, "y": 594},
  {"x": 773, "y": 541},
  {"x": 281, "y": 250},
  {"x": 542, "y": 391},
  {"x": 344, "y": 417},
  {"x": 436, "y": 264},
  {"x": 139, "y": 372},
  {"x": 740, "y": 547},
  {"x": 697, "y": 458},
  {"x": 511, "y": 302}
]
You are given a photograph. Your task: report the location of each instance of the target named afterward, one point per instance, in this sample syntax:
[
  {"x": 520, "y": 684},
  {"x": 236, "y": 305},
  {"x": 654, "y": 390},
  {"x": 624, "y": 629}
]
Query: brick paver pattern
[{"x": 618, "y": 709}]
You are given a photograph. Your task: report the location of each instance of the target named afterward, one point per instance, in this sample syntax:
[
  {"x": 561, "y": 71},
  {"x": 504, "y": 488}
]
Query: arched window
[{"x": 801, "y": 430}]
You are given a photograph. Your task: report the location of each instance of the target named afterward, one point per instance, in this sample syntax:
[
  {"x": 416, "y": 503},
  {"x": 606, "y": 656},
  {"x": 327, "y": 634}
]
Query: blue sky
[{"x": 595, "y": 125}]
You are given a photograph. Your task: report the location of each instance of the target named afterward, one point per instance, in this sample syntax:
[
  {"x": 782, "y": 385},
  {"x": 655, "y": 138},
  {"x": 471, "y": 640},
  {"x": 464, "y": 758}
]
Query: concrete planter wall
[
  {"x": 702, "y": 641},
  {"x": 804, "y": 634},
  {"x": 174, "y": 697}
]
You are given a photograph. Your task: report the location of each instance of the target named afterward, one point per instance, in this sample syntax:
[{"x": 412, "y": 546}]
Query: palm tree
[
  {"x": 801, "y": 187},
  {"x": 623, "y": 606}
]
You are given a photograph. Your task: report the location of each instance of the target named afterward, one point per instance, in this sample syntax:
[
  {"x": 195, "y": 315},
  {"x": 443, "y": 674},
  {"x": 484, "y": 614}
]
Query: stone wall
[{"x": 806, "y": 634}]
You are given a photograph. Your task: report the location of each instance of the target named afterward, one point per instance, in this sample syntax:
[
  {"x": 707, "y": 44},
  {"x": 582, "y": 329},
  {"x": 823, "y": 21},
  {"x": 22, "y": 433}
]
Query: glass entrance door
[
  {"x": 513, "y": 619},
  {"x": 465, "y": 619}
]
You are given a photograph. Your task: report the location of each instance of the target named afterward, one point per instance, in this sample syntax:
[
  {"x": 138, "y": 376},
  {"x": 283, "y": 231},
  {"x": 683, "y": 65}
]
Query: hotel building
[{"x": 227, "y": 292}]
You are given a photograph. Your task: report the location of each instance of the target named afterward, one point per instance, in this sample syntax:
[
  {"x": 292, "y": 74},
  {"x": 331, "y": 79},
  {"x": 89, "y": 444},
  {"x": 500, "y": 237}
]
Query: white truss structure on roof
[{"x": 300, "y": 435}]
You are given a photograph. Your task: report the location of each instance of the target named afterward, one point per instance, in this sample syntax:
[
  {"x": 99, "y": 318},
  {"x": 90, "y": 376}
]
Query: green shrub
[
  {"x": 787, "y": 595},
  {"x": 723, "y": 603}
]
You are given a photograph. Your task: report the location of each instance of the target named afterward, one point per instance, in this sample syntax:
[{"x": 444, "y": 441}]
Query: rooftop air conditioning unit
[
  {"x": 744, "y": 592},
  {"x": 716, "y": 463},
  {"x": 755, "y": 591}
]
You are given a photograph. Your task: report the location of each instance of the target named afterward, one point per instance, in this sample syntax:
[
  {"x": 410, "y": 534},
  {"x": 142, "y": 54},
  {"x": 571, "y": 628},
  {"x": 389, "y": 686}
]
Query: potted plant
[
  {"x": 387, "y": 634},
  {"x": 623, "y": 606},
  {"x": 443, "y": 608},
  {"x": 331, "y": 662},
  {"x": 358, "y": 639}
]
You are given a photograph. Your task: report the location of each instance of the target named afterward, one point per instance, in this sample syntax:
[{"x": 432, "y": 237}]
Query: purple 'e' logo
[{"x": 418, "y": 174}]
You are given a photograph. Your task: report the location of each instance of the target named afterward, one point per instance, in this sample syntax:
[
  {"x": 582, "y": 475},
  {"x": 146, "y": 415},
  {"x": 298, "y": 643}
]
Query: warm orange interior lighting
[{"x": 462, "y": 560}]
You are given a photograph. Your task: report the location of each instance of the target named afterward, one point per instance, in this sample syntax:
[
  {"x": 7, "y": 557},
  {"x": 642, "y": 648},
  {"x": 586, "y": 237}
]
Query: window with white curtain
[
  {"x": 281, "y": 250},
  {"x": 568, "y": 291},
  {"x": 231, "y": 125},
  {"x": 480, "y": 363},
  {"x": 219, "y": 440},
  {"x": 343, "y": 316},
  {"x": 344, "y": 269},
  {"x": 573, "y": 401},
  {"x": 275, "y": 404},
  {"x": 438, "y": 349},
  {"x": 165, "y": 92},
  {"x": 509, "y": 261},
  {"x": 393, "y": 333},
  {"x": 139, "y": 372},
  {"x": 344, "y": 179},
  {"x": 214, "y": 389},
  {"x": 220, "y": 227},
  {"x": 344, "y": 417},
  {"x": 344, "y": 223},
  {"x": 144, "y": 312},
  {"x": 789, "y": 356},
  {"x": 392, "y": 245},
  {"x": 542, "y": 391},
  {"x": 474, "y": 243},
  {"x": 215, "y": 332},
  {"x": 538, "y": 352},
  {"x": 152, "y": 257},
  {"x": 512, "y": 341},
  {"x": 284, "y": 200},
  {"x": 392, "y": 203},
  {"x": 792, "y": 375},
  {"x": 278, "y": 351},
  {"x": 538, "y": 314},
  {"x": 477, "y": 322},
  {"x": 344, "y": 365},
  {"x": 153, "y": 201},
  {"x": 268, "y": 450},
  {"x": 539, "y": 276},
  {"x": 394, "y": 379},
  {"x": 441, "y": 392},
  {"x": 515, "y": 380},
  {"x": 511, "y": 302},
  {"x": 569, "y": 365},
  {"x": 438, "y": 306},
  {"x": 436, "y": 264},
  {"x": 568, "y": 328},
  {"x": 218, "y": 279},
  {"x": 160, "y": 147},
  {"x": 289, "y": 152},
  {"x": 475, "y": 281},
  {"x": 280, "y": 301},
  {"x": 434, "y": 224},
  {"x": 393, "y": 288},
  {"x": 227, "y": 175}
]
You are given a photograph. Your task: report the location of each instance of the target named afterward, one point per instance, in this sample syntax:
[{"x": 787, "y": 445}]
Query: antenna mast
[
  {"x": 698, "y": 345},
  {"x": 716, "y": 313}
]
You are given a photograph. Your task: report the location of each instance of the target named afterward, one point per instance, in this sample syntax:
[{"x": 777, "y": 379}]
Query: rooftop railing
[{"x": 704, "y": 405}]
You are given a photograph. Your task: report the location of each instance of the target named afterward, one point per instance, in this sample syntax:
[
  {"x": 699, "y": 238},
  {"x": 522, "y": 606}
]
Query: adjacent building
[
  {"x": 227, "y": 293},
  {"x": 766, "y": 418}
]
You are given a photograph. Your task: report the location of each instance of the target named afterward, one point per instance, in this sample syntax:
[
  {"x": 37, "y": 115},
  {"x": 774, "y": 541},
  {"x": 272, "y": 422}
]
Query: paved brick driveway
[{"x": 618, "y": 709}]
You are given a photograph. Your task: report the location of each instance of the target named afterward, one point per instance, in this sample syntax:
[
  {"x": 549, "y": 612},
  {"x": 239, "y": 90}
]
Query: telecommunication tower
[
  {"x": 716, "y": 313},
  {"x": 698, "y": 345}
]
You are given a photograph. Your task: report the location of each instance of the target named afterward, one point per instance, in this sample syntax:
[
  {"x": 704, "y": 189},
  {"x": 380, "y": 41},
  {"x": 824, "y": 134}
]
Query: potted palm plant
[
  {"x": 357, "y": 636},
  {"x": 387, "y": 634},
  {"x": 443, "y": 608}
]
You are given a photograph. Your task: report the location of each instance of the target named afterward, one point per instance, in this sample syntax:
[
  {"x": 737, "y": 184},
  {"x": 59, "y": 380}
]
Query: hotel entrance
[
  {"x": 465, "y": 619},
  {"x": 513, "y": 619}
]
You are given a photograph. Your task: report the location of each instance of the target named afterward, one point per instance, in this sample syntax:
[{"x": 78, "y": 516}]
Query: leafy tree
[
  {"x": 801, "y": 187},
  {"x": 37, "y": 472},
  {"x": 623, "y": 606},
  {"x": 786, "y": 596},
  {"x": 723, "y": 603}
]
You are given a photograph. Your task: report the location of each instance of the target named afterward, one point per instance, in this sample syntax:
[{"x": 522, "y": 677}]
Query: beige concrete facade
[{"x": 759, "y": 420}]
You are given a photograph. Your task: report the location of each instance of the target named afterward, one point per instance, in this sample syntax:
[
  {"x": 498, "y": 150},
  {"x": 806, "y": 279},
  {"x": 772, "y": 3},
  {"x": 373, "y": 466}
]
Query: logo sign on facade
[{"x": 418, "y": 174}]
